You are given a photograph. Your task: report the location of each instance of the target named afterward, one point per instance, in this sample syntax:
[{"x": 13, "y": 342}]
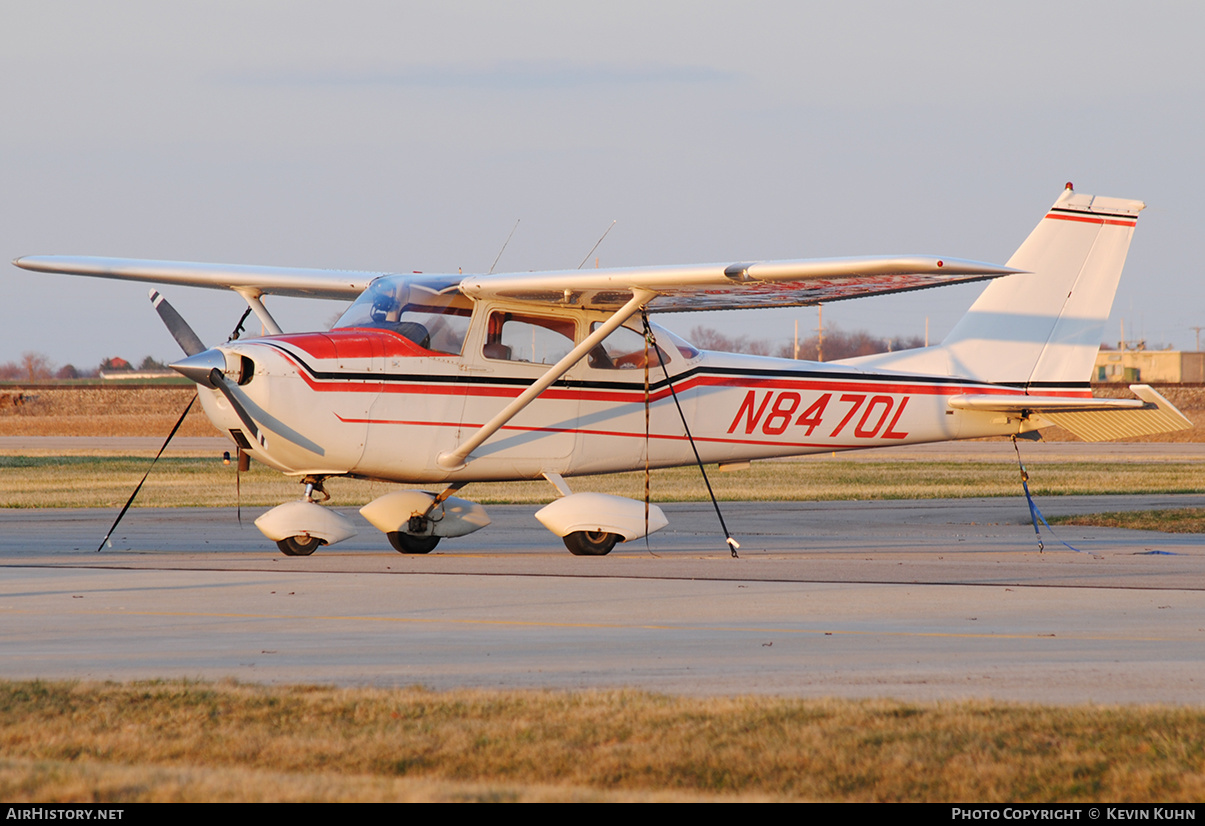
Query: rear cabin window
[{"x": 624, "y": 349}]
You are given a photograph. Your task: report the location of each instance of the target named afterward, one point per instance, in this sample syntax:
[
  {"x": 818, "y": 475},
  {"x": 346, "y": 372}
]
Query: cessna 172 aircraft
[{"x": 443, "y": 380}]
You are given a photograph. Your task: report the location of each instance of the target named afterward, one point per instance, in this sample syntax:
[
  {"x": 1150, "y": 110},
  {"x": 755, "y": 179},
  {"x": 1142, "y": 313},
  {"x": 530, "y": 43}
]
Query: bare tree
[
  {"x": 710, "y": 339},
  {"x": 36, "y": 366},
  {"x": 838, "y": 344},
  {"x": 150, "y": 363}
]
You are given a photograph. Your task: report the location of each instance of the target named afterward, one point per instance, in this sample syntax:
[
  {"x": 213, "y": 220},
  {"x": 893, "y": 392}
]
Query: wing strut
[
  {"x": 252, "y": 297},
  {"x": 458, "y": 458}
]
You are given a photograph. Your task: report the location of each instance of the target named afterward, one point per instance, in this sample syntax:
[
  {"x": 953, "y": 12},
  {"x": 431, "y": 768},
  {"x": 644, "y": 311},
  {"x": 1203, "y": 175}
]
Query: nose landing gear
[{"x": 300, "y": 528}]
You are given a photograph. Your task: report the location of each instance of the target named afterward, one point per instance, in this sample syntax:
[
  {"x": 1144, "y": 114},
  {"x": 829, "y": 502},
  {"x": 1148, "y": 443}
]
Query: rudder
[{"x": 1042, "y": 329}]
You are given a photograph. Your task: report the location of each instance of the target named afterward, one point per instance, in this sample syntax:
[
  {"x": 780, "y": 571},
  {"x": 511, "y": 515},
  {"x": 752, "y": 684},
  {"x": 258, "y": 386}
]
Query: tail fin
[{"x": 1041, "y": 329}]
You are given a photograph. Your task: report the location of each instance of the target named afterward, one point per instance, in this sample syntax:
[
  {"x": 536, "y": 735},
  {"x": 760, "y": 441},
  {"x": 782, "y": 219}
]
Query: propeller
[
  {"x": 218, "y": 379},
  {"x": 208, "y": 370},
  {"x": 207, "y": 367},
  {"x": 204, "y": 366},
  {"x": 176, "y": 325}
]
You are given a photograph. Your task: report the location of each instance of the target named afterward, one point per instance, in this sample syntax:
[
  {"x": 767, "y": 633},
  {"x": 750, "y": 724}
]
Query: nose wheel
[
  {"x": 302, "y": 526},
  {"x": 304, "y": 544}
]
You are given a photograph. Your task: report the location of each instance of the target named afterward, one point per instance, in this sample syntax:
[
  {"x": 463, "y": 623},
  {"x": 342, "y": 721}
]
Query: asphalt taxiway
[{"x": 935, "y": 599}]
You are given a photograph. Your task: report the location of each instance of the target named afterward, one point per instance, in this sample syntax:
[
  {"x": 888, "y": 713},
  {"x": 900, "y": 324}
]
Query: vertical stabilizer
[{"x": 1043, "y": 328}]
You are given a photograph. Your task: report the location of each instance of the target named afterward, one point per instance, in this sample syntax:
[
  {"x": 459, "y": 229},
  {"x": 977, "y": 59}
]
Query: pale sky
[{"x": 406, "y": 136}]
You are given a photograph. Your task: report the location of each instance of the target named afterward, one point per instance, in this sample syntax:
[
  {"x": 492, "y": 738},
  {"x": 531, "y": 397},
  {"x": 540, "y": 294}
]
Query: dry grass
[
  {"x": 105, "y": 481},
  {"x": 100, "y": 410},
  {"x": 189, "y": 741},
  {"x": 53, "y": 781},
  {"x": 1176, "y": 520}
]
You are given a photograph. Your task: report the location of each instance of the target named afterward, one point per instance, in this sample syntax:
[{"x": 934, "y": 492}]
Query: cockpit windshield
[{"x": 428, "y": 310}]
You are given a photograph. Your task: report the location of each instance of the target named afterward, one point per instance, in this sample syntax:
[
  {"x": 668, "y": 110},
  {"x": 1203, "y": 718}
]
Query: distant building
[
  {"x": 115, "y": 363},
  {"x": 1147, "y": 366},
  {"x": 137, "y": 375}
]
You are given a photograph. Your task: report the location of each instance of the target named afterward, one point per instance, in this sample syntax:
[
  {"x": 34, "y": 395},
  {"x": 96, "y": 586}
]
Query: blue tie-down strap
[{"x": 1036, "y": 514}]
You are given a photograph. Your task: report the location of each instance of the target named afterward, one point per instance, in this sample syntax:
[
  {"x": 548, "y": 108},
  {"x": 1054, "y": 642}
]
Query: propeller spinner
[{"x": 204, "y": 366}]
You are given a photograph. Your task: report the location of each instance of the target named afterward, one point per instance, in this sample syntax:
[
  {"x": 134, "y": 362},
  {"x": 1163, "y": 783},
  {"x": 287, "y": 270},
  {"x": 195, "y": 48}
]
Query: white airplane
[{"x": 451, "y": 379}]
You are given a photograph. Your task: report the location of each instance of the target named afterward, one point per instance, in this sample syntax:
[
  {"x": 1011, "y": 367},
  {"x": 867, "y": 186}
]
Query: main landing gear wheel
[
  {"x": 590, "y": 543},
  {"x": 408, "y": 543},
  {"x": 299, "y": 545}
]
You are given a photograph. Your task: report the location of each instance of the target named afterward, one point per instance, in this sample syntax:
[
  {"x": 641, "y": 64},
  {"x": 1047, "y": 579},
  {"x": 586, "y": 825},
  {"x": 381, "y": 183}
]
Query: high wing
[
  {"x": 734, "y": 286},
  {"x": 291, "y": 281},
  {"x": 675, "y": 288}
]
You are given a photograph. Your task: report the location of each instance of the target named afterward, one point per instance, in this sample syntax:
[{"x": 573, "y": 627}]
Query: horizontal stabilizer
[
  {"x": 1043, "y": 404},
  {"x": 1093, "y": 420}
]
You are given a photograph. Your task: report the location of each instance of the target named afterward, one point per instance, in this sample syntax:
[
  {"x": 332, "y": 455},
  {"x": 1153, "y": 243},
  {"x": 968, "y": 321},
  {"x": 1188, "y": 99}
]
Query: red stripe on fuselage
[
  {"x": 616, "y": 433},
  {"x": 636, "y": 394}
]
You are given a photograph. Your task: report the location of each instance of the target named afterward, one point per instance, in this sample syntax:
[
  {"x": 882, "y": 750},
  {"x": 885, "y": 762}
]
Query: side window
[
  {"x": 532, "y": 339},
  {"x": 623, "y": 350}
]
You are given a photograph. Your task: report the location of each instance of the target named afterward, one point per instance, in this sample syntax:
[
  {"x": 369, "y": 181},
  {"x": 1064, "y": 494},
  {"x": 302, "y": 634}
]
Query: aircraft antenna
[
  {"x": 504, "y": 243},
  {"x": 600, "y": 240}
]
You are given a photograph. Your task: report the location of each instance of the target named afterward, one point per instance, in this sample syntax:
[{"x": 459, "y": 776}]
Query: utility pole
[{"x": 820, "y": 332}]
